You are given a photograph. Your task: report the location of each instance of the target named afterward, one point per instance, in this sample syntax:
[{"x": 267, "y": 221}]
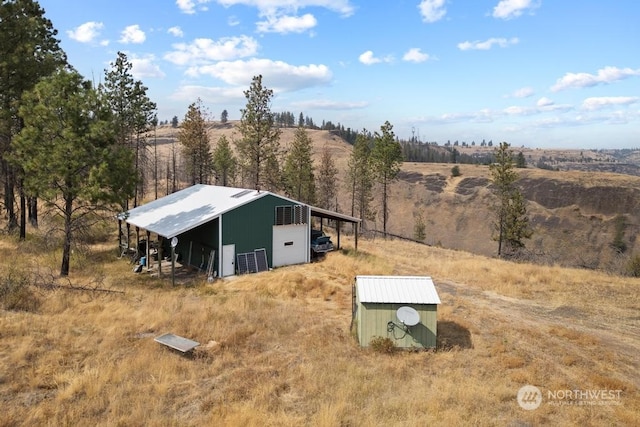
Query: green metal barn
[
  {"x": 402, "y": 308},
  {"x": 230, "y": 230}
]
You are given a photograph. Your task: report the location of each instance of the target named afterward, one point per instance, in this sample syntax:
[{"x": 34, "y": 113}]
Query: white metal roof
[
  {"x": 186, "y": 209},
  {"x": 397, "y": 289}
]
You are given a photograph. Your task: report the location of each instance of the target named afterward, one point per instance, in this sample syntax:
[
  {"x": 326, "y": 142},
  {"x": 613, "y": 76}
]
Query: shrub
[
  {"x": 455, "y": 171},
  {"x": 16, "y": 293},
  {"x": 633, "y": 268},
  {"x": 382, "y": 345}
]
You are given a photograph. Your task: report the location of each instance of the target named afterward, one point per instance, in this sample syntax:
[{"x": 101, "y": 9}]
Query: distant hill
[{"x": 575, "y": 205}]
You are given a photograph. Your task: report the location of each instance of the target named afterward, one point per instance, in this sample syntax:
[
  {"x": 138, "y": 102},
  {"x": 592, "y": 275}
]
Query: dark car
[{"x": 320, "y": 243}]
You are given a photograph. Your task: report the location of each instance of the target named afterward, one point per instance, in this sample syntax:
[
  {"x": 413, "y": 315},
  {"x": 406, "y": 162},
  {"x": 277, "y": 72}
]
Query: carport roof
[
  {"x": 397, "y": 290},
  {"x": 186, "y": 209}
]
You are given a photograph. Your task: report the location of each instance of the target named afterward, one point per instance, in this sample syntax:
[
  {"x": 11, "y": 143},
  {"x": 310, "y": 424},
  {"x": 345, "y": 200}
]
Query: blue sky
[{"x": 534, "y": 73}]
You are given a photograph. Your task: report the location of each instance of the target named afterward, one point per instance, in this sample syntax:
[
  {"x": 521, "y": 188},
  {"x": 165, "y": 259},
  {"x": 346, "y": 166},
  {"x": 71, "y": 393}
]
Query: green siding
[
  {"x": 372, "y": 320},
  {"x": 250, "y": 226}
]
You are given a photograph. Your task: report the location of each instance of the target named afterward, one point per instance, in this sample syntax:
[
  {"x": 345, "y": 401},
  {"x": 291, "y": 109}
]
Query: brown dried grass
[{"x": 277, "y": 349}]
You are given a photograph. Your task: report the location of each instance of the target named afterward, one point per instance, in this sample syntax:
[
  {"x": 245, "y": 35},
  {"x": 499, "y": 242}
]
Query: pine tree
[
  {"x": 224, "y": 162},
  {"x": 133, "y": 116},
  {"x": 224, "y": 116},
  {"x": 259, "y": 147},
  {"x": 298, "y": 171},
  {"x": 511, "y": 224},
  {"x": 327, "y": 181},
  {"x": 360, "y": 178},
  {"x": 419, "y": 228},
  {"x": 386, "y": 159},
  {"x": 196, "y": 149},
  {"x": 29, "y": 51},
  {"x": 70, "y": 155}
]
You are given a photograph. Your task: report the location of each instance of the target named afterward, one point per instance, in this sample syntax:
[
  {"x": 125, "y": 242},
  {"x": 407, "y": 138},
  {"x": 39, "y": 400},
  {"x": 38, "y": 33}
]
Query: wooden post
[
  {"x": 160, "y": 239},
  {"x": 148, "y": 255}
]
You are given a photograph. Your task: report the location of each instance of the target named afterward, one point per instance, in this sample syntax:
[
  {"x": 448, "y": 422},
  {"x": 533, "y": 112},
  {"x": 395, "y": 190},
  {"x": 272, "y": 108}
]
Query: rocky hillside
[{"x": 576, "y": 214}]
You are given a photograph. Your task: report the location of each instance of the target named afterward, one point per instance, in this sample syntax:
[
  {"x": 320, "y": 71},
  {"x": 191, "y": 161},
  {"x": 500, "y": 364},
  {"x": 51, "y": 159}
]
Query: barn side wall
[
  {"x": 250, "y": 226},
  {"x": 373, "y": 319}
]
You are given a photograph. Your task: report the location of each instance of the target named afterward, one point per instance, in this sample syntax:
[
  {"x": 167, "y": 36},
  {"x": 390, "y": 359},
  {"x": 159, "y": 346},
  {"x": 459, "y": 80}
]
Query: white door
[{"x": 228, "y": 260}]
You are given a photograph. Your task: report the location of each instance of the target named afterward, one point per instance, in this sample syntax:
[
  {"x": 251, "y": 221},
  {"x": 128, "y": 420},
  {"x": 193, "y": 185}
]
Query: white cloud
[
  {"x": 189, "y": 6},
  {"x": 277, "y": 75},
  {"x": 507, "y": 9},
  {"x": 367, "y": 58},
  {"x": 544, "y": 102},
  {"x": 432, "y": 10},
  {"x": 597, "y": 103},
  {"x": 190, "y": 92},
  {"x": 176, "y": 31},
  {"x": 487, "y": 44},
  {"x": 330, "y": 105},
  {"x": 519, "y": 111},
  {"x": 87, "y": 32},
  {"x": 605, "y": 75},
  {"x": 523, "y": 92},
  {"x": 287, "y": 24},
  {"x": 415, "y": 55},
  {"x": 204, "y": 50},
  {"x": 132, "y": 34},
  {"x": 278, "y": 7},
  {"x": 144, "y": 67}
]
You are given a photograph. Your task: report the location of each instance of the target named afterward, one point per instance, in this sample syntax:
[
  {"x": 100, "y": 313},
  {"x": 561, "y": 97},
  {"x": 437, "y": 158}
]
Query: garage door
[{"x": 290, "y": 244}]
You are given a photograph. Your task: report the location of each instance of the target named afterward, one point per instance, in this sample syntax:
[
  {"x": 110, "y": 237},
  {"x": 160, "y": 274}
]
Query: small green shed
[{"x": 402, "y": 308}]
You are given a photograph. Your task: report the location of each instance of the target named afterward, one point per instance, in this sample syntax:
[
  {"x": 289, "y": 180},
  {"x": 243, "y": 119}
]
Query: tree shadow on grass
[{"x": 452, "y": 335}]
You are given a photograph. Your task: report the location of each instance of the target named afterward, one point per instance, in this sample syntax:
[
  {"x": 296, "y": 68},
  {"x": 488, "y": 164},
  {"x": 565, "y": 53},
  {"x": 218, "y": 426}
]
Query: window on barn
[{"x": 291, "y": 214}]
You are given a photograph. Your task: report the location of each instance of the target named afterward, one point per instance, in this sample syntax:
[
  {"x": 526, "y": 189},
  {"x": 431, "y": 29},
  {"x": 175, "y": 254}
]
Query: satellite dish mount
[{"x": 407, "y": 316}]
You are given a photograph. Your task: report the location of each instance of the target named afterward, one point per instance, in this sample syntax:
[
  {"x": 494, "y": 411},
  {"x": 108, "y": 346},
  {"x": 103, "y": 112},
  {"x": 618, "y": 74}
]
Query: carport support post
[
  {"x": 148, "y": 254},
  {"x": 356, "y": 237},
  {"x": 159, "y": 256},
  {"x": 173, "y": 265}
]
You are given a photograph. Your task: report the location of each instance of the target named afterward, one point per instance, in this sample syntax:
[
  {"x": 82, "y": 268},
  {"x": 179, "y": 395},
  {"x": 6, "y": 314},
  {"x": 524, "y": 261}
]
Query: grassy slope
[{"x": 277, "y": 350}]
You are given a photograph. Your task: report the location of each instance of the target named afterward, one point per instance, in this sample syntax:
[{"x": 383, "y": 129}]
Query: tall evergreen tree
[
  {"x": 133, "y": 116},
  {"x": 69, "y": 153},
  {"x": 360, "y": 178},
  {"x": 196, "y": 148},
  {"x": 386, "y": 159},
  {"x": 224, "y": 116},
  {"x": 327, "y": 181},
  {"x": 259, "y": 145},
  {"x": 511, "y": 224},
  {"x": 29, "y": 51},
  {"x": 224, "y": 162},
  {"x": 299, "y": 180}
]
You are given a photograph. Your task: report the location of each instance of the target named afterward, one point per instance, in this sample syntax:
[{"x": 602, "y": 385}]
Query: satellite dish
[
  {"x": 408, "y": 316},
  {"x": 174, "y": 242}
]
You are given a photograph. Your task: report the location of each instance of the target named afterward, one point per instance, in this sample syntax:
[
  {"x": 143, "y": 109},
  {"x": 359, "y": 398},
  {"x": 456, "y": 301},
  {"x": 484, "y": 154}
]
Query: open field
[{"x": 277, "y": 349}]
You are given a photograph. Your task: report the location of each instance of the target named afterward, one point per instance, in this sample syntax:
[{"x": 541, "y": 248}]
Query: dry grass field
[{"x": 276, "y": 347}]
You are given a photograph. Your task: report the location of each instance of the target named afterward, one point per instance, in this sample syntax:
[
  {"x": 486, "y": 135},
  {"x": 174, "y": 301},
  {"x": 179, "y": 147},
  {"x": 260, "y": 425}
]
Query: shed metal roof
[
  {"x": 397, "y": 289},
  {"x": 186, "y": 209}
]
